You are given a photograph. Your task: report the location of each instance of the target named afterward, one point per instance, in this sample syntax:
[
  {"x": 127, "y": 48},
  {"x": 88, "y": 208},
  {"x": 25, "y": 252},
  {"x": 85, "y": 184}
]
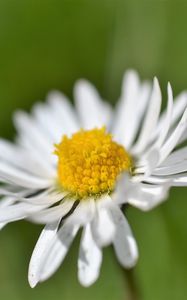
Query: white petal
[
  {"x": 175, "y": 157},
  {"x": 35, "y": 197},
  {"x": 130, "y": 109},
  {"x": 140, "y": 195},
  {"x": 52, "y": 214},
  {"x": 150, "y": 120},
  {"x": 32, "y": 137},
  {"x": 179, "y": 106},
  {"x": 180, "y": 181},
  {"x": 18, "y": 211},
  {"x": 29, "y": 129},
  {"x": 63, "y": 112},
  {"x": 92, "y": 110},
  {"x": 2, "y": 225},
  {"x": 172, "y": 141},
  {"x": 44, "y": 116},
  {"x": 124, "y": 187},
  {"x": 15, "y": 176},
  {"x": 47, "y": 163},
  {"x": 6, "y": 201},
  {"x": 167, "y": 120},
  {"x": 148, "y": 163},
  {"x": 124, "y": 243},
  {"x": 172, "y": 169},
  {"x": 170, "y": 180},
  {"x": 183, "y": 138},
  {"x": 84, "y": 213},
  {"x": 101, "y": 221},
  {"x": 90, "y": 258},
  {"x": 126, "y": 110},
  {"x": 48, "y": 198},
  {"x": 19, "y": 157},
  {"x": 12, "y": 213},
  {"x": 40, "y": 252},
  {"x": 158, "y": 180},
  {"x": 147, "y": 197},
  {"x": 58, "y": 250}
]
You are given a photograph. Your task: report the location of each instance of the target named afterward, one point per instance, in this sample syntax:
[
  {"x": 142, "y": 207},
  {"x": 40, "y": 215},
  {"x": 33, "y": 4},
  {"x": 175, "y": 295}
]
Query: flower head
[{"x": 72, "y": 169}]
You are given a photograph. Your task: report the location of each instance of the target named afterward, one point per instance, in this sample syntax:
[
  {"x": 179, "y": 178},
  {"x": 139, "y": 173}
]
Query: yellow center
[{"x": 89, "y": 162}]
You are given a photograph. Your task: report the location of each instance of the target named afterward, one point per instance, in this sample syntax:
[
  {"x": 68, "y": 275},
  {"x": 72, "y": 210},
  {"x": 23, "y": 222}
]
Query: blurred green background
[{"x": 49, "y": 44}]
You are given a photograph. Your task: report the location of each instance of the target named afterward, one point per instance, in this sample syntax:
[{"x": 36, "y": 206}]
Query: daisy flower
[{"x": 75, "y": 168}]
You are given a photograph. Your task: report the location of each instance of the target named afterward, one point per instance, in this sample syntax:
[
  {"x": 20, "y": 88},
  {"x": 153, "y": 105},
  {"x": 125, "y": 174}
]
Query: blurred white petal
[
  {"x": 90, "y": 258},
  {"x": 92, "y": 110}
]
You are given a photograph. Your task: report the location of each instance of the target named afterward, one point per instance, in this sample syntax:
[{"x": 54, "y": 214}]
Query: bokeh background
[{"x": 48, "y": 44}]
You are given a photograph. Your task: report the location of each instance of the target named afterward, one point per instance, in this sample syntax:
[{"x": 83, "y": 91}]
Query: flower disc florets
[{"x": 89, "y": 162}]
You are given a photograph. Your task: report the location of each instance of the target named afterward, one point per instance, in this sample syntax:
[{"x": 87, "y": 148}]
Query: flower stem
[{"x": 131, "y": 283}]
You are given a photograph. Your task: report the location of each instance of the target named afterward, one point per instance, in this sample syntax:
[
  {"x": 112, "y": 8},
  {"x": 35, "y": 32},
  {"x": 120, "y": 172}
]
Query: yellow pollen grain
[{"x": 89, "y": 162}]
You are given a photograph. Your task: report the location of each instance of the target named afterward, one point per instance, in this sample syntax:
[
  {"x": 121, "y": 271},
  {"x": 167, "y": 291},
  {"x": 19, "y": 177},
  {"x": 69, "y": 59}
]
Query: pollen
[{"x": 89, "y": 162}]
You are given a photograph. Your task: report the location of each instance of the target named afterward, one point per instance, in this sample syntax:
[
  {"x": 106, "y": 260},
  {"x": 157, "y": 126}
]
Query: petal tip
[
  {"x": 85, "y": 282},
  {"x": 81, "y": 84},
  {"x": 156, "y": 82},
  {"x": 169, "y": 89},
  {"x": 32, "y": 280}
]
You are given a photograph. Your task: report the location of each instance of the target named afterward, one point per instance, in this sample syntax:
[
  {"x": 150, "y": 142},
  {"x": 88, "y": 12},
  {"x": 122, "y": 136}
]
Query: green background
[{"x": 49, "y": 44}]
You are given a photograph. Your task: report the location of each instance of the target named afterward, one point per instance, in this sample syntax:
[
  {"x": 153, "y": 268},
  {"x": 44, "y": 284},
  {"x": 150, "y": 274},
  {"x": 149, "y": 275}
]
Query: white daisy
[{"x": 75, "y": 168}]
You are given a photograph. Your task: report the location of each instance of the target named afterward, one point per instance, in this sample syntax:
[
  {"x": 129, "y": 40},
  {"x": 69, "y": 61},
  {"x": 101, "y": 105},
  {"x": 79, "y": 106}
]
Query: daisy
[{"x": 75, "y": 168}]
